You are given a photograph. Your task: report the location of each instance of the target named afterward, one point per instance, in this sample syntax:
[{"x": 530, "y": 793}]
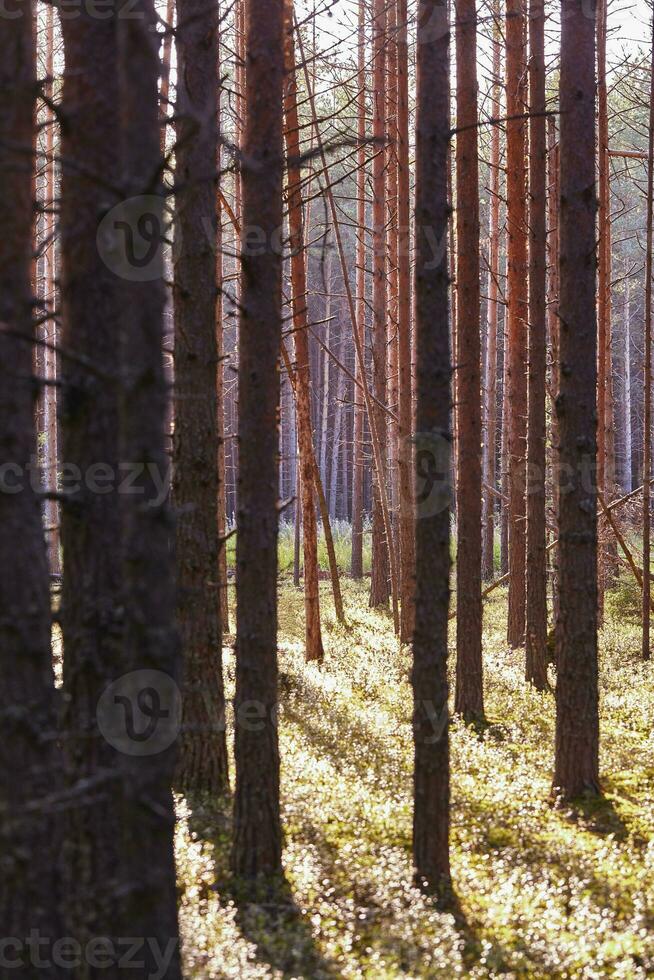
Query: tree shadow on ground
[
  {"x": 598, "y": 815},
  {"x": 267, "y": 913}
]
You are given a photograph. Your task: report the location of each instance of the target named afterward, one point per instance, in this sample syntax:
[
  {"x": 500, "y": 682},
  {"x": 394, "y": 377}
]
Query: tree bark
[
  {"x": 29, "y": 758},
  {"x": 647, "y": 381},
  {"x": 431, "y": 819},
  {"x": 379, "y": 583},
  {"x": 50, "y": 330},
  {"x": 257, "y": 843},
  {"x": 536, "y": 609},
  {"x": 147, "y": 818},
  {"x": 553, "y": 331},
  {"x": 628, "y": 442},
  {"x": 517, "y": 268},
  {"x": 91, "y": 530},
  {"x": 469, "y": 695},
  {"x": 313, "y": 635},
  {"x": 605, "y": 440},
  {"x": 356, "y": 565},
  {"x": 405, "y": 406},
  {"x": 577, "y": 726},
  {"x": 202, "y": 762},
  {"x": 490, "y": 454}
]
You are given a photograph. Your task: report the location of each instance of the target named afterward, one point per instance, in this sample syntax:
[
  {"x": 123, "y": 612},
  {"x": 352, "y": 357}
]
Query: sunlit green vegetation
[{"x": 544, "y": 892}]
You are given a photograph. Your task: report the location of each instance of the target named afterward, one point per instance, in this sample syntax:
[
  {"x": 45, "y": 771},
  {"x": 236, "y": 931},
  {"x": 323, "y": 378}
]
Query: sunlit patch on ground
[{"x": 543, "y": 892}]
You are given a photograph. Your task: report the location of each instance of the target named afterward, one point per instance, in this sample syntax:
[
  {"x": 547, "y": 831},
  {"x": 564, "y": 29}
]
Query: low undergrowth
[{"x": 543, "y": 892}]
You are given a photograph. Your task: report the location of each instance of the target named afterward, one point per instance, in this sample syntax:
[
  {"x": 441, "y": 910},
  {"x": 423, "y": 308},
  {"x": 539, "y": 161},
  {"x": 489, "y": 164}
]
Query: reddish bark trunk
[
  {"x": 202, "y": 762},
  {"x": 380, "y": 579},
  {"x": 313, "y": 636},
  {"x": 490, "y": 454},
  {"x": 517, "y": 269},
  {"x": 536, "y": 610},
  {"x": 469, "y": 695},
  {"x": 405, "y": 406},
  {"x": 431, "y": 819},
  {"x": 577, "y": 724},
  {"x": 257, "y": 841}
]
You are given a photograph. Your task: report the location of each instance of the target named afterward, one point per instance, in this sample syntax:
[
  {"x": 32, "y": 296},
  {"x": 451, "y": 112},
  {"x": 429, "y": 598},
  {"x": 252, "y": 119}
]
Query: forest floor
[{"x": 544, "y": 892}]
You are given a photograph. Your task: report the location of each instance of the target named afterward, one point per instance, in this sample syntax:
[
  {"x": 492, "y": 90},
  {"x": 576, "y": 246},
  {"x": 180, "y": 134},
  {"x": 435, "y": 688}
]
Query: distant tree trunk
[
  {"x": 29, "y": 765},
  {"x": 490, "y": 455},
  {"x": 147, "y": 818},
  {"x": 647, "y": 380},
  {"x": 392, "y": 266},
  {"x": 605, "y": 441},
  {"x": 431, "y": 818},
  {"x": 297, "y": 536},
  {"x": 380, "y": 579},
  {"x": 313, "y": 635},
  {"x": 223, "y": 583},
  {"x": 628, "y": 447},
  {"x": 536, "y": 609},
  {"x": 337, "y": 433},
  {"x": 257, "y": 843},
  {"x": 469, "y": 696},
  {"x": 92, "y": 588},
  {"x": 516, "y": 225},
  {"x": 405, "y": 406},
  {"x": 504, "y": 450},
  {"x": 202, "y": 762},
  {"x": 50, "y": 358},
  {"x": 324, "y": 406},
  {"x": 577, "y": 725},
  {"x": 553, "y": 331},
  {"x": 356, "y": 566}
]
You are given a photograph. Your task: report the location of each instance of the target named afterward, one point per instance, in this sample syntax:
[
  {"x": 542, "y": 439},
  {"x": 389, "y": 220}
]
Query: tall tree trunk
[
  {"x": 647, "y": 378},
  {"x": 605, "y": 441},
  {"x": 405, "y": 406},
  {"x": 324, "y": 404},
  {"x": 516, "y": 225},
  {"x": 356, "y": 565},
  {"x": 313, "y": 635},
  {"x": 577, "y": 725},
  {"x": 553, "y": 331},
  {"x": 490, "y": 455},
  {"x": 29, "y": 765},
  {"x": 392, "y": 266},
  {"x": 504, "y": 450},
  {"x": 92, "y": 589},
  {"x": 202, "y": 762},
  {"x": 50, "y": 358},
  {"x": 379, "y": 583},
  {"x": 223, "y": 583},
  {"x": 536, "y": 610},
  {"x": 147, "y": 819},
  {"x": 257, "y": 843},
  {"x": 469, "y": 695},
  {"x": 628, "y": 441},
  {"x": 431, "y": 818}
]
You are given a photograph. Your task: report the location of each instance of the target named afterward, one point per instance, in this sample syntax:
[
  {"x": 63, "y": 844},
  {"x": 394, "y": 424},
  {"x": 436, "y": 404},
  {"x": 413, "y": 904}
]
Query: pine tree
[
  {"x": 257, "y": 833},
  {"x": 431, "y": 818},
  {"x": 577, "y": 725}
]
